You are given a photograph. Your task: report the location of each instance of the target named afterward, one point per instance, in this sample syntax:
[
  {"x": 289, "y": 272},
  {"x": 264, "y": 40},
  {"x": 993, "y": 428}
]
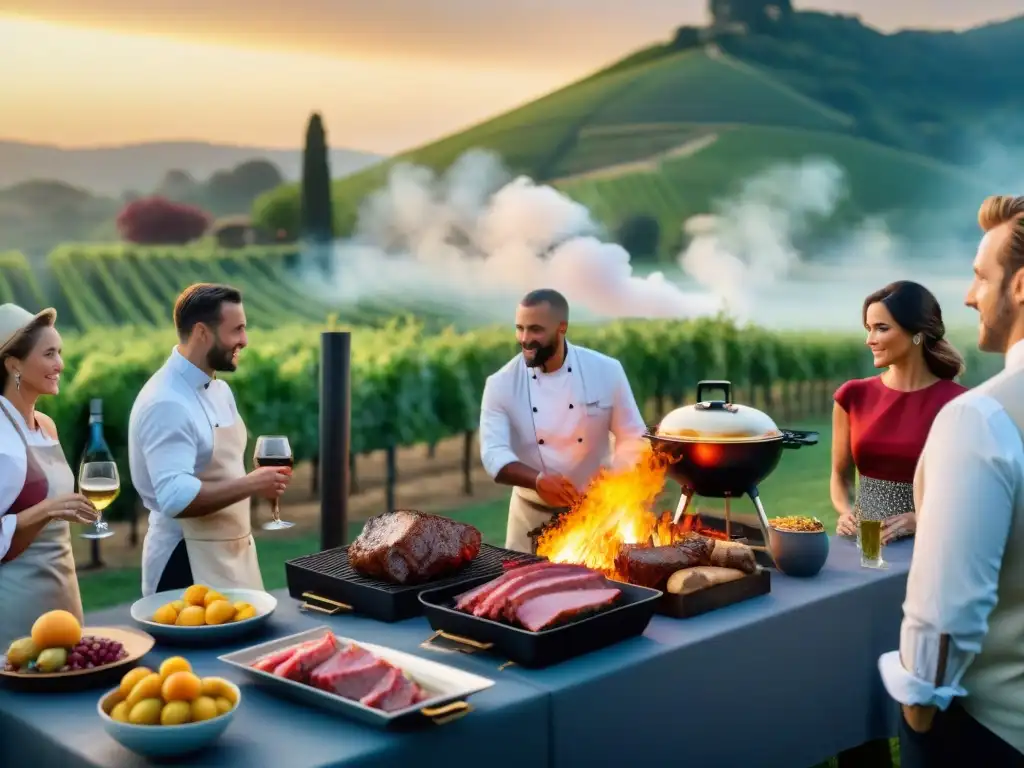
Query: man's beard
[
  {"x": 219, "y": 358},
  {"x": 542, "y": 353},
  {"x": 997, "y": 328}
]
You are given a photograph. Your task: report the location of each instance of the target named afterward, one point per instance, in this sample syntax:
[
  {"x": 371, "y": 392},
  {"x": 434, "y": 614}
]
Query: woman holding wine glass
[{"x": 37, "y": 487}]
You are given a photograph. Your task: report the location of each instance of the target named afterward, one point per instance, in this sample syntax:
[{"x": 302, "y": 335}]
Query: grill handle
[
  {"x": 447, "y": 713},
  {"x": 476, "y": 645},
  {"x": 334, "y": 606},
  {"x": 714, "y": 384}
]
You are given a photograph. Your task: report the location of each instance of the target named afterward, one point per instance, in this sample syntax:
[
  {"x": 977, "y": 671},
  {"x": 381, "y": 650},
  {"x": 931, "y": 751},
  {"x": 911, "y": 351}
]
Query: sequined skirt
[{"x": 879, "y": 499}]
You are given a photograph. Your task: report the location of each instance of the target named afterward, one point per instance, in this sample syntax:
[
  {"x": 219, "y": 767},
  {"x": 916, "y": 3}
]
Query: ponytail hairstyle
[{"x": 917, "y": 311}]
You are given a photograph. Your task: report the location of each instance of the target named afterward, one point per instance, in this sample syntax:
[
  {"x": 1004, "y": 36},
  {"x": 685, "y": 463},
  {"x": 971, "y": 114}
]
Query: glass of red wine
[{"x": 273, "y": 451}]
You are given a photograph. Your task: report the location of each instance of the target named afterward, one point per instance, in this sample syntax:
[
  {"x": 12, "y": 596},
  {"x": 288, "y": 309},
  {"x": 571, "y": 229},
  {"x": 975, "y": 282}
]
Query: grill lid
[{"x": 717, "y": 421}]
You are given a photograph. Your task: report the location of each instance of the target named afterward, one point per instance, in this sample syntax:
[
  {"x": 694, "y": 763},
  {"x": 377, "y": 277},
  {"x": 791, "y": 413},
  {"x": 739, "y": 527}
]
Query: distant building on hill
[{"x": 744, "y": 16}]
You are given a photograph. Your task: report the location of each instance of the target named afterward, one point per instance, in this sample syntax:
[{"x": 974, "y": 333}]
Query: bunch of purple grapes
[{"x": 94, "y": 652}]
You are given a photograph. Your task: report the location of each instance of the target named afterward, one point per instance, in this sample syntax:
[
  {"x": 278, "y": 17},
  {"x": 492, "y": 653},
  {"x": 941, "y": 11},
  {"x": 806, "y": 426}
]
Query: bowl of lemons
[
  {"x": 168, "y": 712},
  {"x": 203, "y": 614}
]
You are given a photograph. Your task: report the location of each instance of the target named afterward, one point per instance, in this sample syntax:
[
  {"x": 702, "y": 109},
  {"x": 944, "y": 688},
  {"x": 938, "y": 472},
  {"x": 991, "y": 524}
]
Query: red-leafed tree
[{"x": 158, "y": 221}]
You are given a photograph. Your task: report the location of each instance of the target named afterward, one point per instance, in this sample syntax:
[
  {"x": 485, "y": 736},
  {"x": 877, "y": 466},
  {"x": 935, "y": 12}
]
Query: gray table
[
  {"x": 786, "y": 680},
  {"x": 509, "y": 724}
]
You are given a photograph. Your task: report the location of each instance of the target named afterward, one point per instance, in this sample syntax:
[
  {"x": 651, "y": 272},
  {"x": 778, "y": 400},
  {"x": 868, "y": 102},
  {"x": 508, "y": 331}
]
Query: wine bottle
[{"x": 102, "y": 490}]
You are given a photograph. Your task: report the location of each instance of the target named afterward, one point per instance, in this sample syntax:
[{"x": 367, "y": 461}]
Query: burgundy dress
[{"x": 888, "y": 429}]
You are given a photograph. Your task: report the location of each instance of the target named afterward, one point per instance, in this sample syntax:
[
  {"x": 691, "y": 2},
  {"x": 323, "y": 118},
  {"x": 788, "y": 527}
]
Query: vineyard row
[{"x": 409, "y": 387}]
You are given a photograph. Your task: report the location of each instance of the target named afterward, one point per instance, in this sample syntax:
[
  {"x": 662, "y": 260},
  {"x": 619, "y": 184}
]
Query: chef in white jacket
[{"x": 547, "y": 416}]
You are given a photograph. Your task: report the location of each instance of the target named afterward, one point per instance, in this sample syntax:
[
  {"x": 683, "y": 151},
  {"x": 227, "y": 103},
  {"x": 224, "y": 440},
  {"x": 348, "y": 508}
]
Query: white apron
[
  {"x": 526, "y": 514},
  {"x": 221, "y": 549},
  {"x": 43, "y": 577}
]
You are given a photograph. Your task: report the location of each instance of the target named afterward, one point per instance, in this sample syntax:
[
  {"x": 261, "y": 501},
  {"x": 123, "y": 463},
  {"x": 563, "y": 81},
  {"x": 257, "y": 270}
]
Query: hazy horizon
[{"x": 386, "y": 77}]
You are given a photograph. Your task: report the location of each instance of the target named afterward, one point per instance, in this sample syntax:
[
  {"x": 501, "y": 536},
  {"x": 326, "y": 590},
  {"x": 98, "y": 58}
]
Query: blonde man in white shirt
[
  {"x": 187, "y": 443},
  {"x": 959, "y": 671},
  {"x": 546, "y": 418}
]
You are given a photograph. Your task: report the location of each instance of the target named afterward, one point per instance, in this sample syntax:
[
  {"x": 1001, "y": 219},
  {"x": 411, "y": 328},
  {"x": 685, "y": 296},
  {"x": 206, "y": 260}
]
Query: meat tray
[
  {"x": 451, "y": 686},
  {"x": 629, "y": 617},
  {"x": 715, "y": 597},
  {"x": 326, "y": 582}
]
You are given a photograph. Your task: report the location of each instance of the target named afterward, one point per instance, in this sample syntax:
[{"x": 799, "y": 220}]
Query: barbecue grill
[
  {"x": 719, "y": 449},
  {"x": 326, "y": 582}
]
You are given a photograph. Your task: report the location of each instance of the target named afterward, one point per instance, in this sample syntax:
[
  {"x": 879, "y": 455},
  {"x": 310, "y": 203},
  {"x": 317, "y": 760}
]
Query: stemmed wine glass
[
  {"x": 99, "y": 482},
  {"x": 273, "y": 451}
]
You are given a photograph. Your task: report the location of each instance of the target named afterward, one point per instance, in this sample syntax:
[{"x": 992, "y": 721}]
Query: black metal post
[{"x": 335, "y": 427}]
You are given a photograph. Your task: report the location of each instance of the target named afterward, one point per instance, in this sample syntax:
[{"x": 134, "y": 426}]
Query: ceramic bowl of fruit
[
  {"x": 168, "y": 712},
  {"x": 60, "y": 653},
  {"x": 202, "y": 613}
]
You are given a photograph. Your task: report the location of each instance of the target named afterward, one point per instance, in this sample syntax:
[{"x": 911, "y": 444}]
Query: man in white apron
[
  {"x": 187, "y": 443},
  {"x": 547, "y": 417},
  {"x": 959, "y": 670}
]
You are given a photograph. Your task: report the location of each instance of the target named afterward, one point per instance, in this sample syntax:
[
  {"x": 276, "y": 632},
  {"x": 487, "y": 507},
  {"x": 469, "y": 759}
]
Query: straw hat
[{"x": 15, "y": 319}]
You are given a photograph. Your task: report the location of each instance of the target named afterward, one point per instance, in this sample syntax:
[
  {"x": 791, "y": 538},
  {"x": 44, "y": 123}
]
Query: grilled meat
[
  {"x": 549, "y": 610},
  {"x": 651, "y": 566},
  {"x": 409, "y": 547}
]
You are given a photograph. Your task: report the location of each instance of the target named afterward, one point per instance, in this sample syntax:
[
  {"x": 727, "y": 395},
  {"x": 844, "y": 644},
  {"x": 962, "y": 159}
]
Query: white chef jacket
[
  {"x": 170, "y": 440},
  {"x": 560, "y": 422},
  {"x": 13, "y": 466}
]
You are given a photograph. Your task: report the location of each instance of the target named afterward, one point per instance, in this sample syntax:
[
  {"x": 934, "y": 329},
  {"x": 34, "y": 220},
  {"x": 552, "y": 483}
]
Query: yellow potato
[
  {"x": 165, "y": 614},
  {"x": 196, "y": 594},
  {"x": 146, "y": 712}
]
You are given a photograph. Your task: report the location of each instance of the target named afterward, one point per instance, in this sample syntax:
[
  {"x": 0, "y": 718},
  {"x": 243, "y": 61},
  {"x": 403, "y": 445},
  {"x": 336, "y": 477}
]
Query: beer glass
[
  {"x": 274, "y": 451},
  {"x": 99, "y": 482},
  {"x": 869, "y": 533}
]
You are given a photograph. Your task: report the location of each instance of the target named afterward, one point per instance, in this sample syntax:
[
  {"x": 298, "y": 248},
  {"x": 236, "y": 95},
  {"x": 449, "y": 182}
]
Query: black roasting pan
[
  {"x": 327, "y": 582},
  {"x": 629, "y": 617}
]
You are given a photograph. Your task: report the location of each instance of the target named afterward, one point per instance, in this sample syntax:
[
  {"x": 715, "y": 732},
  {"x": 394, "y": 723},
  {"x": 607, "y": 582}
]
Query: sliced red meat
[
  {"x": 307, "y": 659},
  {"x": 390, "y": 682},
  {"x": 271, "y": 660},
  {"x": 404, "y": 694},
  {"x": 324, "y": 674},
  {"x": 356, "y": 681},
  {"x": 491, "y": 605},
  {"x": 467, "y": 601},
  {"x": 561, "y": 582},
  {"x": 546, "y": 611}
]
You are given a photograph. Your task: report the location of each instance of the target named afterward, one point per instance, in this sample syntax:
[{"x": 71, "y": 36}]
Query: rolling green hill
[{"x": 669, "y": 129}]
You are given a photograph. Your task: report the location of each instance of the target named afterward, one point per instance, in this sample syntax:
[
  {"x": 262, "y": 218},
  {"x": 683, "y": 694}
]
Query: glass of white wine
[{"x": 99, "y": 482}]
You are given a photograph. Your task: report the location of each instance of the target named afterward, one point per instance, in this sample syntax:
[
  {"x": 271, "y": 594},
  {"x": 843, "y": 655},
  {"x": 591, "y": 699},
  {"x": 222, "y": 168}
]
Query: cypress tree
[{"x": 317, "y": 211}]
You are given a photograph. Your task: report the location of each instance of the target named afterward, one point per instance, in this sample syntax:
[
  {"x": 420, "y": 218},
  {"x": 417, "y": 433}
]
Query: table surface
[{"x": 785, "y": 679}]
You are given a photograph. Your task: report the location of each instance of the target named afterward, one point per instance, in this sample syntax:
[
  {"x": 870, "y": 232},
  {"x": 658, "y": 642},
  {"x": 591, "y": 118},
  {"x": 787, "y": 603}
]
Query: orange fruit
[
  {"x": 146, "y": 712},
  {"x": 204, "y": 708},
  {"x": 165, "y": 614},
  {"x": 193, "y": 616},
  {"x": 181, "y": 686},
  {"x": 120, "y": 712},
  {"x": 174, "y": 664},
  {"x": 219, "y": 688},
  {"x": 212, "y": 596},
  {"x": 244, "y": 611},
  {"x": 131, "y": 678},
  {"x": 219, "y": 612},
  {"x": 147, "y": 688},
  {"x": 195, "y": 594},
  {"x": 176, "y": 713},
  {"x": 56, "y": 629},
  {"x": 178, "y": 605}
]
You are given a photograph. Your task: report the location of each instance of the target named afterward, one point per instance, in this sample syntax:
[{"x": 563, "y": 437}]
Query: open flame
[{"x": 617, "y": 509}]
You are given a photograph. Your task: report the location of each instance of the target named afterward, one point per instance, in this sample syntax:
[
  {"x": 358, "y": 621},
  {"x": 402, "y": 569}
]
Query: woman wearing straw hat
[{"x": 37, "y": 498}]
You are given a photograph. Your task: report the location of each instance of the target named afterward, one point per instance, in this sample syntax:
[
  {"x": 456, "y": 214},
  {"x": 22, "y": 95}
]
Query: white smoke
[
  {"x": 748, "y": 243},
  {"x": 478, "y": 239},
  {"x": 475, "y": 239}
]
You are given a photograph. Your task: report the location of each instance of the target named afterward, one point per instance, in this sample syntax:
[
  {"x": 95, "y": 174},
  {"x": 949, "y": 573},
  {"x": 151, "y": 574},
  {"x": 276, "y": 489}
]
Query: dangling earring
[
  {"x": 17, "y": 381},
  {"x": 917, "y": 338}
]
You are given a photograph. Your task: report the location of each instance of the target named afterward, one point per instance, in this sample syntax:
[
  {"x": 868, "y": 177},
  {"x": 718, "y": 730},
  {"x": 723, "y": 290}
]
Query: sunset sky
[{"x": 386, "y": 74}]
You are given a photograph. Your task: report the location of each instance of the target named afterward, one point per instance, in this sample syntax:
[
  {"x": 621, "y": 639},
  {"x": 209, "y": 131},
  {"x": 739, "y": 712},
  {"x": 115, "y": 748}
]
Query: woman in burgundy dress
[{"x": 880, "y": 424}]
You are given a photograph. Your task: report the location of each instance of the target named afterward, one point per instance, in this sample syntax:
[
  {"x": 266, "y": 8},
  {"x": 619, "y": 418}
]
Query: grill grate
[{"x": 329, "y": 574}]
